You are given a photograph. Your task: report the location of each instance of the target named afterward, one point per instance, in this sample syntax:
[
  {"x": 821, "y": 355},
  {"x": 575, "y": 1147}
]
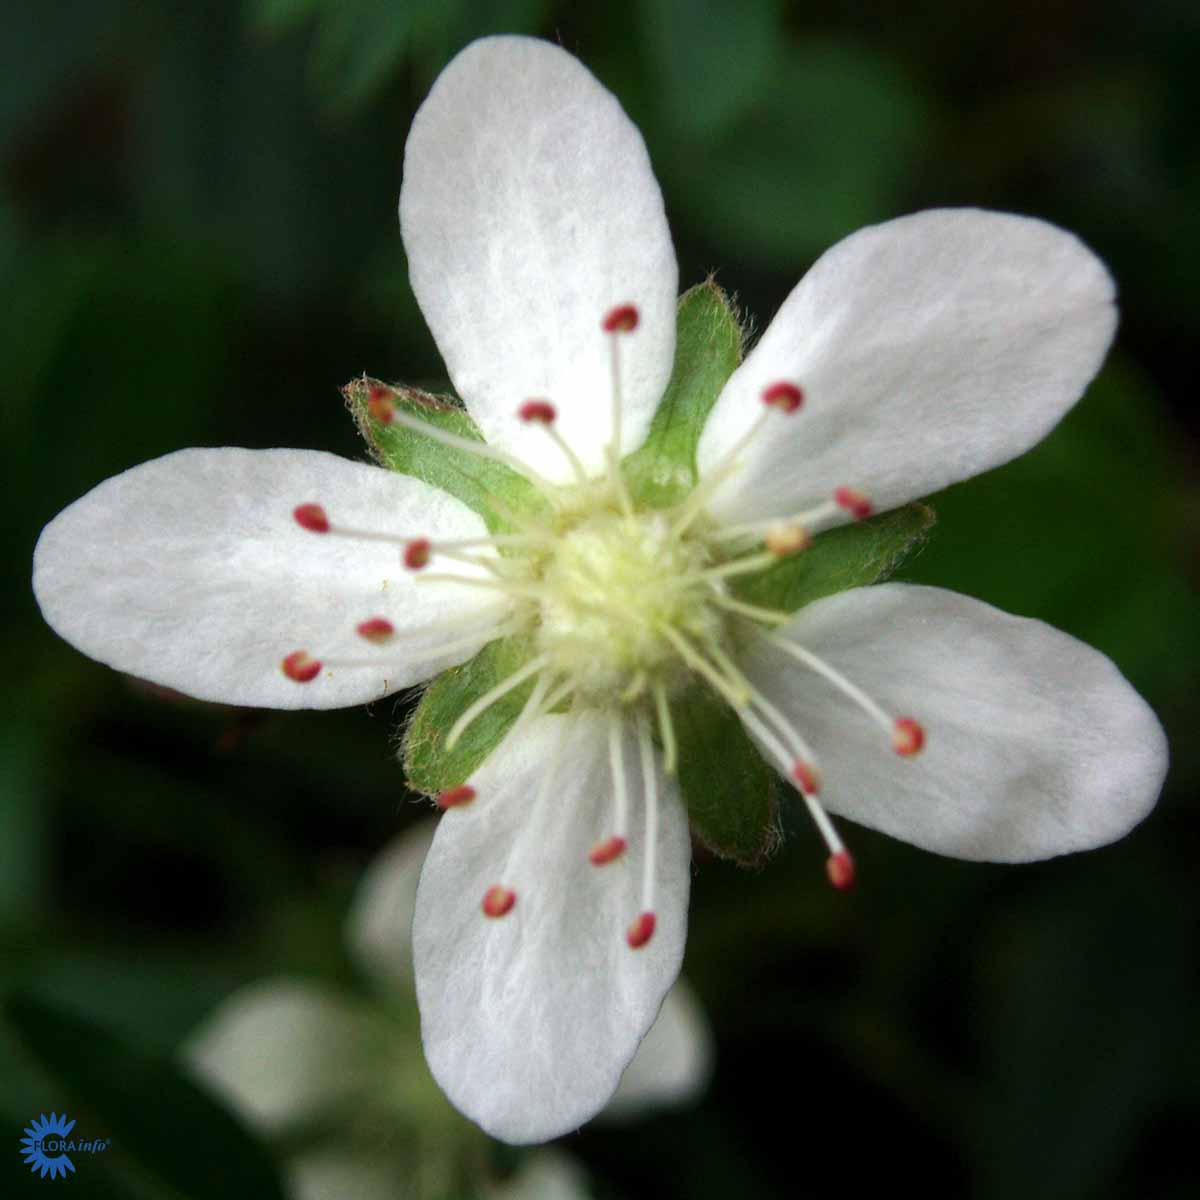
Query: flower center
[
  {"x": 622, "y": 608},
  {"x": 616, "y": 591}
]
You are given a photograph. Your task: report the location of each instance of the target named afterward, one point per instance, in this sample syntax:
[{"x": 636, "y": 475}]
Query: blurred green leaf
[
  {"x": 710, "y": 57},
  {"x": 429, "y": 766},
  {"x": 489, "y": 487},
  {"x": 732, "y": 796},
  {"x": 827, "y": 147},
  {"x": 23, "y": 819},
  {"x": 708, "y": 346},
  {"x": 358, "y": 45},
  {"x": 1081, "y": 1010},
  {"x": 165, "y": 1130},
  {"x": 278, "y": 16},
  {"x": 851, "y": 556}
]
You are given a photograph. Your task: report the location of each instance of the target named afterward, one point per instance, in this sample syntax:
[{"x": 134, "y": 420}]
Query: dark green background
[{"x": 198, "y": 245}]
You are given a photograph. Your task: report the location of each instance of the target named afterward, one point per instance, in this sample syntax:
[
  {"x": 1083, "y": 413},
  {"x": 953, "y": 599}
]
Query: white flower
[
  {"x": 291, "y": 1056},
  {"x": 913, "y": 354}
]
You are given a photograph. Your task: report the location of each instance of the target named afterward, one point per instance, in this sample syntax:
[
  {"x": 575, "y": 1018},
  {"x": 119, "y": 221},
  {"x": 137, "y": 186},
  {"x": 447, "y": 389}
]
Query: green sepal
[
  {"x": 732, "y": 795},
  {"x": 489, "y": 487},
  {"x": 708, "y": 348},
  {"x": 432, "y": 768},
  {"x": 850, "y": 556}
]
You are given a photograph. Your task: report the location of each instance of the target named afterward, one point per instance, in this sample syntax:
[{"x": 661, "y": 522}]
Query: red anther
[
  {"x": 541, "y": 411},
  {"x": 416, "y": 553},
  {"x": 497, "y": 901},
  {"x": 311, "y": 517},
  {"x": 607, "y": 851},
  {"x": 840, "y": 869},
  {"x": 786, "y": 397},
  {"x": 788, "y": 539},
  {"x": 622, "y": 319},
  {"x": 641, "y": 931},
  {"x": 807, "y": 778},
  {"x": 456, "y": 797},
  {"x": 380, "y": 404},
  {"x": 853, "y": 501},
  {"x": 377, "y": 629},
  {"x": 907, "y": 736},
  {"x": 301, "y": 666}
]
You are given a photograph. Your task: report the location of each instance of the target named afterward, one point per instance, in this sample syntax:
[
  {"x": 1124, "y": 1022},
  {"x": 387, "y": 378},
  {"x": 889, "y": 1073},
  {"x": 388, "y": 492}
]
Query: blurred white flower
[{"x": 294, "y": 1057}]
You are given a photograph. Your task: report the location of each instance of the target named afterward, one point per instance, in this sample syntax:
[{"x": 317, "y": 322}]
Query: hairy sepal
[
  {"x": 732, "y": 795},
  {"x": 489, "y": 488},
  {"x": 708, "y": 348},
  {"x": 851, "y": 556},
  {"x": 430, "y": 767}
]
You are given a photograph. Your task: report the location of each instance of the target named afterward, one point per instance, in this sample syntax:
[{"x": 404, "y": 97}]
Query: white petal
[
  {"x": 1035, "y": 743},
  {"x": 929, "y": 348},
  {"x": 529, "y": 1019},
  {"x": 379, "y": 928},
  {"x": 281, "y": 1050},
  {"x": 674, "y": 1061},
  {"x": 191, "y": 572},
  {"x": 529, "y": 210}
]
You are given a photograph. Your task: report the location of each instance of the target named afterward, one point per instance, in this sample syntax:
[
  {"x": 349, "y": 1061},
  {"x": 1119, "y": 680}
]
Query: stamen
[
  {"x": 736, "y": 566},
  {"x": 378, "y": 630},
  {"x": 417, "y": 553},
  {"x": 778, "y": 398},
  {"x": 531, "y": 706},
  {"x": 785, "y": 396},
  {"x": 380, "y": 404},
  {"x": 768, "y": 616},
  {"x": 609, "y": 850},
  {"x": 519, "y": 590},
  {"x": 856, "y": 503},
  {"x": 636, "y": 686},
  {"x": 641, "y": 931},
  {"x": 813, "y": 520},
  {"x": 301, "y": 667},
  {"x": 479, "y": 449},
  {"x": 456, "y": 797},
  {"x": 840, "y": 869},
  {"x": 543, "y": 413},
  {"x": 651, "y": 790},
  {"x": 622, "y": 319},
  {"x": 491, "y": 697},
  {"x": 802, "y": 772},
  {"x": 666, "y": 729},
  {"x": 616, "y": 763},
  {"x": 556, "y": 697},
  {"x": 908, "y": 736},
  {"x": 416, "y": 550},
  {"x": 798, "y": 750},
  {"x": 806, "y": 777},
  {"x": 311, "y": 517},
  {"x": 498, "y": 901},
  {"x": 839, "y": 681},
  {"x": 786, "y": 540},
  {"x": 734, "y": 696},
  {"x": 428, "y": 653}
]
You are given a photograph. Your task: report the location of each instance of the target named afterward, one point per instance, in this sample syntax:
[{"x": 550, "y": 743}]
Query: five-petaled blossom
[{"x": 551, "y": 914}]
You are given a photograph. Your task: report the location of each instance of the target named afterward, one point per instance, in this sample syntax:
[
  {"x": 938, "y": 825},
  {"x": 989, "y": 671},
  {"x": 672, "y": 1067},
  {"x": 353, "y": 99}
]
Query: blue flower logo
[{"x": 42, "y": 1144}]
